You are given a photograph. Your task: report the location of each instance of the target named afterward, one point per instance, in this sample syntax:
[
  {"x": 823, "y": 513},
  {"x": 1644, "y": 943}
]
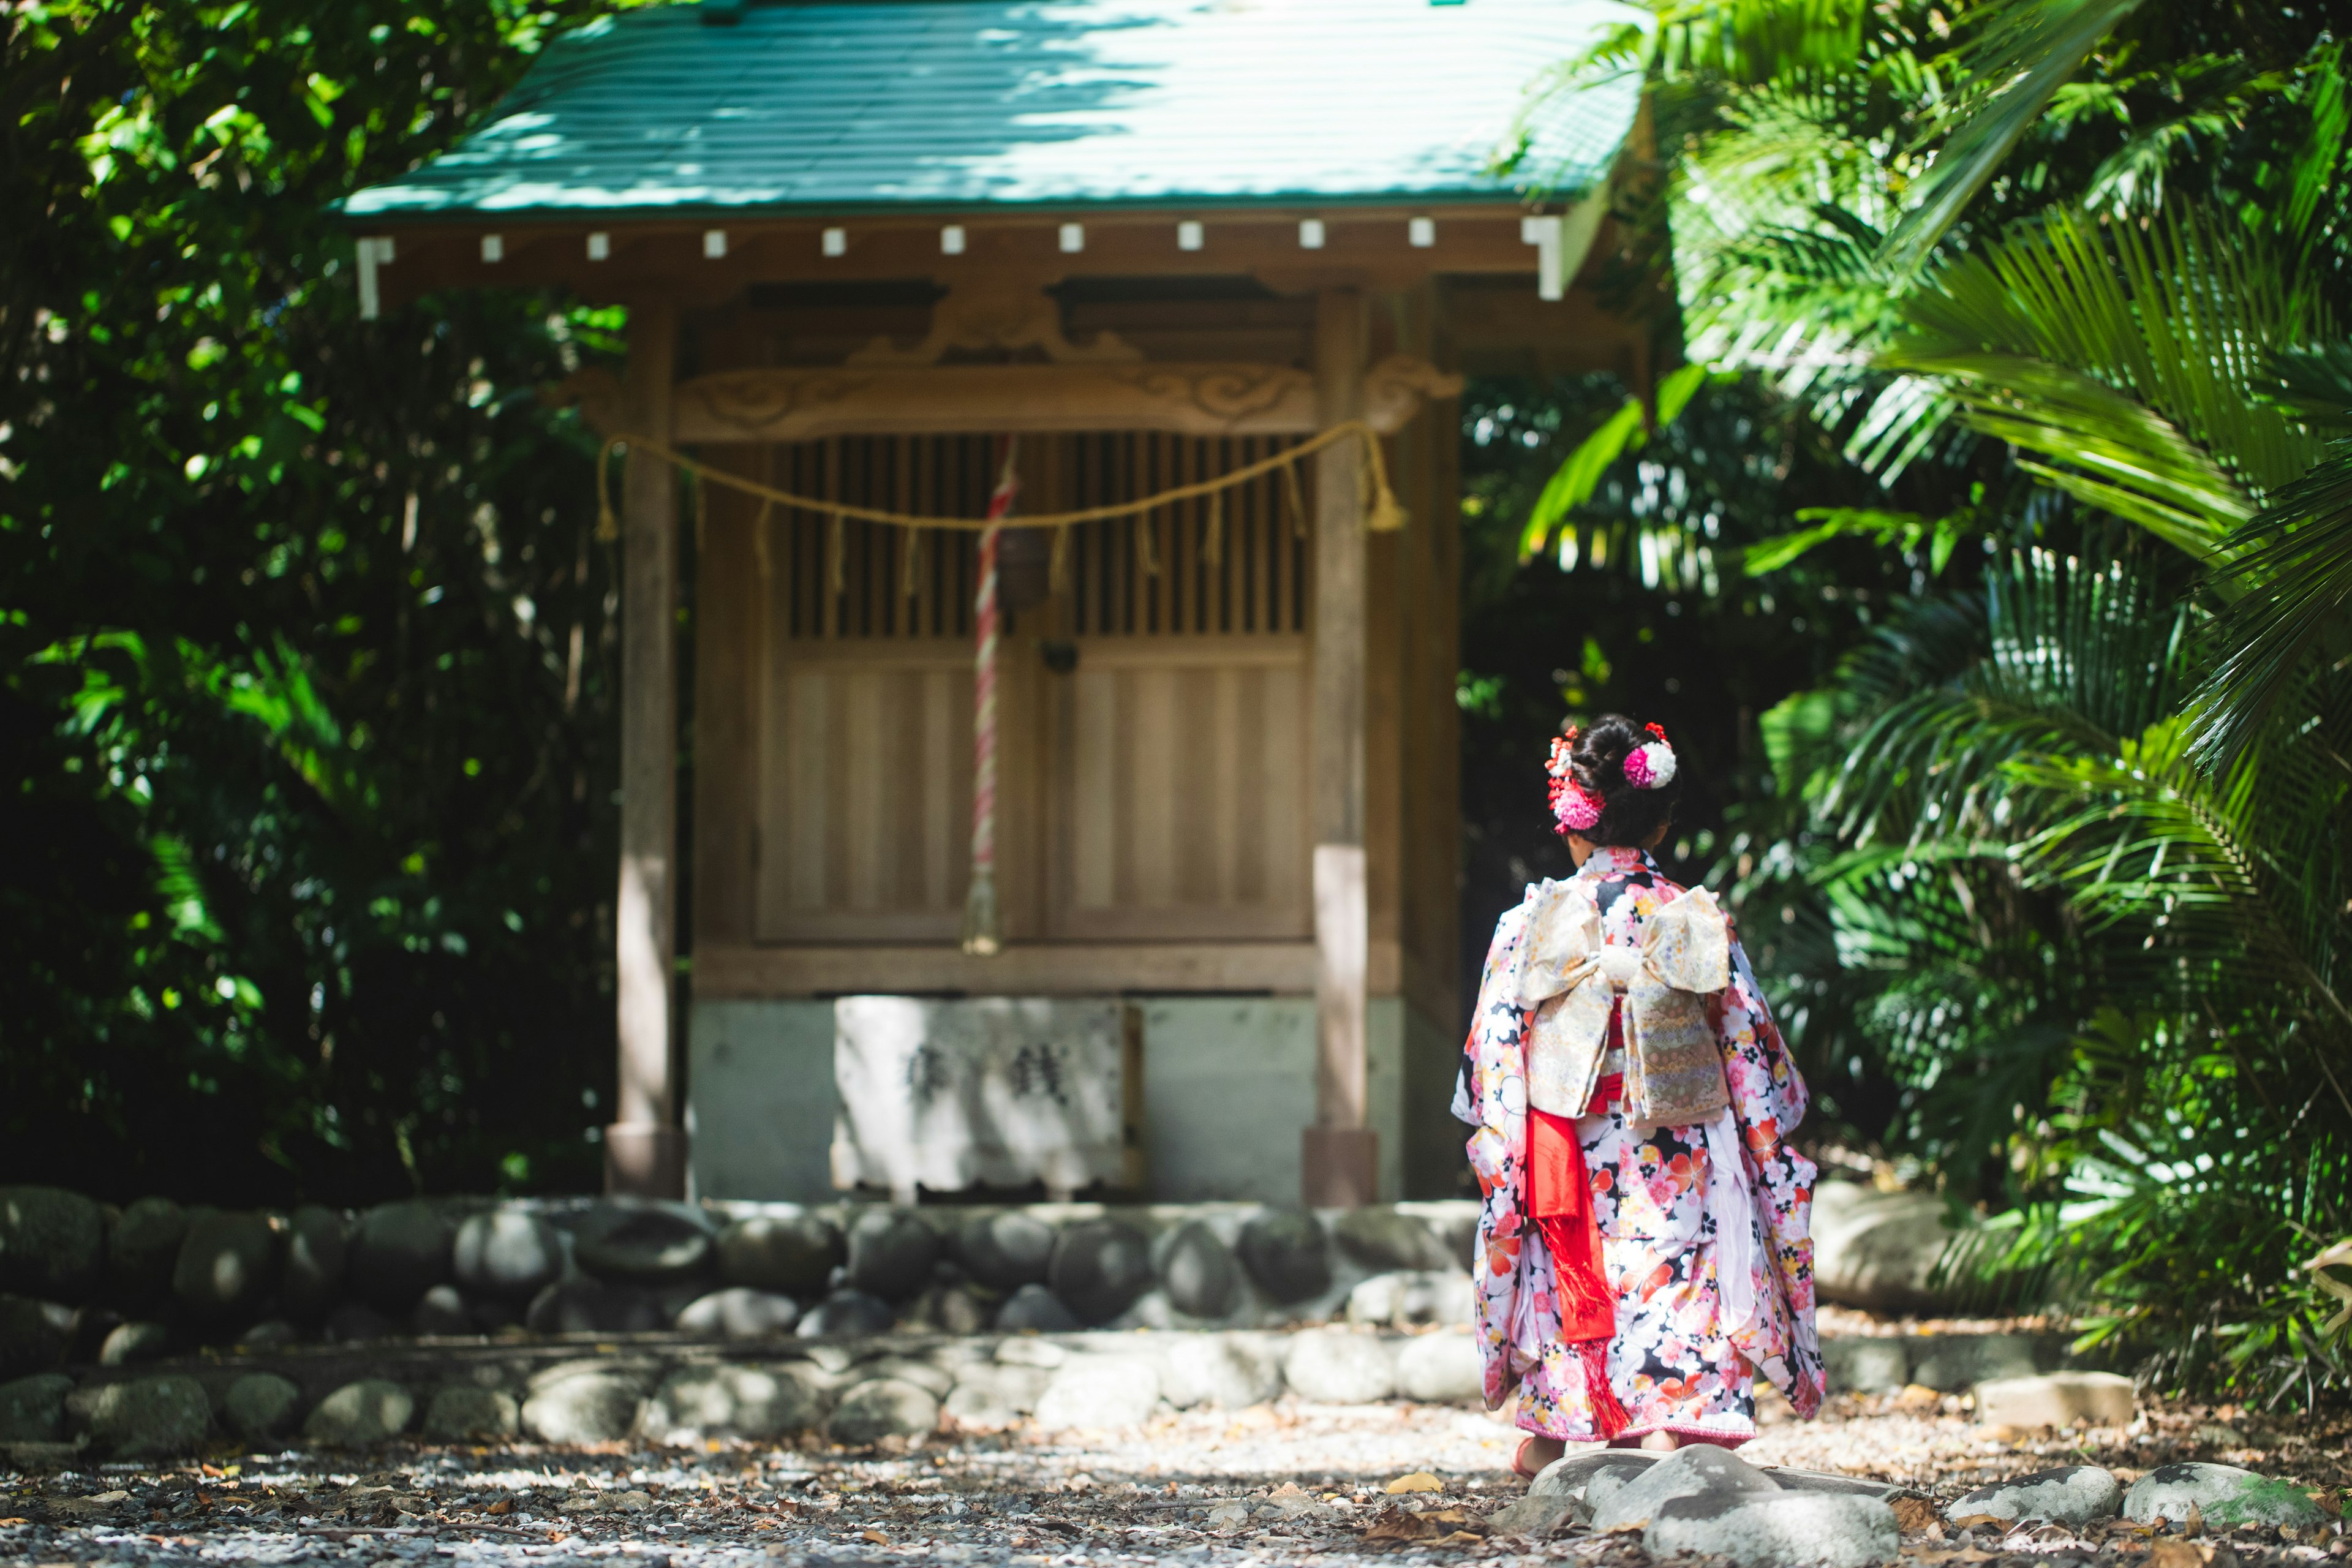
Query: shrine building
[{"x": 868, "y": 250}]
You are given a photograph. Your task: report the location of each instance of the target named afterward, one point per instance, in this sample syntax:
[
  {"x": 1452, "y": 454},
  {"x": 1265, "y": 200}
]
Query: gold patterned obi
[{"x": 1570, "y": 976}]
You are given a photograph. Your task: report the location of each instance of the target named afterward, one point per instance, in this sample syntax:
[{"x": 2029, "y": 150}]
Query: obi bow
[{"x": 1570, "y": 976}]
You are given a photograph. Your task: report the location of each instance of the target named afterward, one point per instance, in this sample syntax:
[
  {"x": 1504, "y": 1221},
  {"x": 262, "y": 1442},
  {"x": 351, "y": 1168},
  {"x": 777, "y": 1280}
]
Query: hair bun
[{"x": 1614, "y": 782}]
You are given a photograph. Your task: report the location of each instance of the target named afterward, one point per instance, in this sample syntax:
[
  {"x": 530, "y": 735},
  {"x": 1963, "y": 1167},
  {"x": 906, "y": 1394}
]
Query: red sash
[{"x": 1560, "y": 1202}]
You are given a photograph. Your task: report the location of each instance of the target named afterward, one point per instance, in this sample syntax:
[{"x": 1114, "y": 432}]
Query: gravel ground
[{"x": 1275, "y": 1484}]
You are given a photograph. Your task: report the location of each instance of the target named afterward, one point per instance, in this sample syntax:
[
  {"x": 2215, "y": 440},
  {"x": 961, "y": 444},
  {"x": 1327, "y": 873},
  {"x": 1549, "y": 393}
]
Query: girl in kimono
[{"x": 1644, "y": 1244}]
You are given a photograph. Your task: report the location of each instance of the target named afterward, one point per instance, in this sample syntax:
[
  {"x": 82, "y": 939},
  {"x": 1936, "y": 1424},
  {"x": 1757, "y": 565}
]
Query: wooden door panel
[{"x": 1179, "y": 775}]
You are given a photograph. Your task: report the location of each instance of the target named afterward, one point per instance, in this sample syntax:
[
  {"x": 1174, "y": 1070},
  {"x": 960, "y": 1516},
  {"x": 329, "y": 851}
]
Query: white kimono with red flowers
[{"x": 1705, "y": 1236}]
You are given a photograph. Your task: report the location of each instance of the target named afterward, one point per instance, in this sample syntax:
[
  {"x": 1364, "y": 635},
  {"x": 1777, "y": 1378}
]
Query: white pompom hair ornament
[{"x": 1651, "y": 766}]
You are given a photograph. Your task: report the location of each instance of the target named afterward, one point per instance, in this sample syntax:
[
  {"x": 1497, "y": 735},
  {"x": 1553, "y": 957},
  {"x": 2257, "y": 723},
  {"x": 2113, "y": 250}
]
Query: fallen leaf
[
  {"x": 1460, "y": 1538},
  {"x": 1918, "y": 1397},
  {"x": 5, "y": 1524},
  {"x": 1399, "y": 1524},
  {"x": 1453, "y": 1516},
  {"x": 1915, "y": 1515},
  {"x": 2178, "y": 1554},
  {"x": 501, "y": 1508},
  {"x": 1419, "y": 1481},
  {"x": 204, "y": 1500},
  {"x": 2329, "y": 1503},
  {"x": 874, "y": 1538},
  {"x": 1980, "y": 1520}
]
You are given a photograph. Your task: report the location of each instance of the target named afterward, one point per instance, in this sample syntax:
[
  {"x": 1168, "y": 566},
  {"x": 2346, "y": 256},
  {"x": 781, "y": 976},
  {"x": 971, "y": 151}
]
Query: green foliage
[{"x": 304, "y": 644}]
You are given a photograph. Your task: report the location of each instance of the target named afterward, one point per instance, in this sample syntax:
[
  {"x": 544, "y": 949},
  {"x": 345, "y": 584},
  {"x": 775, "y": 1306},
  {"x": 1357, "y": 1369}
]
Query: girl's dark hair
[{"x": 1628, "y": 814}]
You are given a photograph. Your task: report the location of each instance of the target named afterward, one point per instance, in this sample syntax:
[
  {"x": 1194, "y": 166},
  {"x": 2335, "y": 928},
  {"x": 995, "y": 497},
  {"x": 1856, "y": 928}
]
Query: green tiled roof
[{"x": 873, "y": 105}]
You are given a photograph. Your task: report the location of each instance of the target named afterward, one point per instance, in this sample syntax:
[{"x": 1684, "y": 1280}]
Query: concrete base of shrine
[{"x": 1228, "y": 1084}]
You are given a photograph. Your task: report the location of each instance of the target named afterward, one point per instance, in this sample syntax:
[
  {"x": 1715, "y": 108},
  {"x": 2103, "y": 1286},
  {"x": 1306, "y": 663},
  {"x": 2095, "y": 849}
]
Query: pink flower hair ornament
[
  {"x": 1574, "y": 808},
  {"x": 1651, "y": 765}
]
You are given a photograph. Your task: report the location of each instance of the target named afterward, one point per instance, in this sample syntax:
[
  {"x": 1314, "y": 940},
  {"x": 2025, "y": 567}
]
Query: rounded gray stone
[
  {"x": 142, "y": 1246},
  {"x": 1777, "y": 1529},
  {"x": 987, "y": 1396},
  {"x": 1866, "y": 1365},
  {"x": 593, "y": 1307},
  {"x": 148, "y": 1417},
  {"x": 643, "y": 1241},
  {"x": 582, "y": 1402},
  {"x": 506, "y": 1254},
  {"x": 465, "y": 1413},
  {"x": 135, "y": 1342},
  {"x": 1287, "y": 1254},
  {"x": 846, "y": 1312},
  {"x": 318, "y": 1254},
  {"x": 1384, "y": 1240},
  {"x": 33, "y": 1335},
  {"x": 792, "y": 1254},
  {"x": 758, "y": 1402},
  {"x": 373, "y": 1410},
  {"x": 259, "y": 1406},
  {"x": 1005, "y": 1251},
  {"x": 1440, "y": 1369},
  {"x": 227, "y": 1266},
  {"x": 1700, "y": 1470},
  {"x": 52, "y": 1243},
  {"x": 890, "y": 1254},
  {"x": 1099, "y": 1392},
  {"x": 1572, "y": 1475},
  {"x": 1227, "y": 1371},
  {"x": 2223, "y": 1494},
  {"x": 1409, "y": 1298},
  {"x": 1099, "y": 1268},
  {"x": 33, "y": 1409},
  {"x": 356, "y": 1323},
  {"x": 2072, "y": 1494},
  {"x": 1200, "y": 1273},
  {"x": 883, "y": 1407},
  {"x": 399, "y": 1252},
  {"x": 1034, "y": 1307},
  {"x": 740, "y": 1312},
  {"x": 441, "y": 1312},
  {"x": 1332, "y": 1366}
]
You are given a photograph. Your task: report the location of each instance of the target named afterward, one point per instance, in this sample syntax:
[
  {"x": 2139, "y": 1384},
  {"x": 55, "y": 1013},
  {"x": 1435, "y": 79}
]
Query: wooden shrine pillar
[
  {"x": 644, "y": 1149},
  {"x": 1340, "y": 1164}
]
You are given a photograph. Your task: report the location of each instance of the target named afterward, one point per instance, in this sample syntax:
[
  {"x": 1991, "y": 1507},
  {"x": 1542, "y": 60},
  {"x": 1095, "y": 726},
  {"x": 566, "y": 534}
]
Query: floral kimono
[{"x": 1704, "y": 1267}]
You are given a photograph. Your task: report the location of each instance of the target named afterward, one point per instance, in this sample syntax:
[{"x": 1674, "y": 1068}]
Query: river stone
[
  {"x": 135, "y": 1342},
  {"x": 142, "y": 1246},
  {"x": 52, "y": 1243},
  {"x": 399, "y": 1252},
  {"x": 906, "y": 1369},
  {"x": 593, "y": 1307},
  {"x": 259, "y": 1406},
  {"x": 1332, "y": 1366},
  {"x": 372, "y": 1410},
  {"x": 890, "y": 1254},
  {"x": 987, "y": 1396},
  {"x": 644, "y": 1241},
  {"x": 467, "y": 1413},
  {"x": 1199, "y": 1272},
  {"x": 33, "y": 1335},
  {"x": 2071, "y": 1495},
  {"x": 790, "y": 1254},
  {"x": 1572, "y": 1475},
  {"x": 1701, "y": 1470},
  {"x": 1780, "y": 1529},
  {"x": 1034, "y": 1307},
  {"x": 227, "y": 1266},
  {"x": 506, "y": 1255},
  {"x": 1795, "y": 1480},
  {"x": 33, "y": 1409},
  {"x": 1100, "y": 1391},
  {"x": 584, "y": 1402},
  {"x": 1284, "y": 1253},
  {"x": 740, "y": 1312},
  {"x": 439, "y": 1312},
  {"x": 1005, "y": 1251},
  {"x": 149, "y": 1418},
  {"x": 958, "y": 1309},
  {"x": 1407, "y": 1299},
  {"x": 1229, "y": 1372},
  {"x": 1099, "y": 1268},
  {"x": 846, "y": 1312},
  {"x": 883, "y": 1407},
  {"x": 1440, "y": 1369},
  {"x": 2224, "y": 1494},
  {"x": 1385, "y": 1241},
  {"x": 1951, "y": 1363},
  {"x": 1867, "y": 1365},
  {"x": 318, "y": 1251},
  {"x": 760, "y": 1402},
  {"x": 1878, "y": 1251},
  {"x": 1536, "y": 1516}
]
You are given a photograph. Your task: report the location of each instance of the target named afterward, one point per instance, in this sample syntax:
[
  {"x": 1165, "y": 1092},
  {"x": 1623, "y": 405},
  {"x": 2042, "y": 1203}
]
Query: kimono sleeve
[{"x": 1490, "y": 1092}]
